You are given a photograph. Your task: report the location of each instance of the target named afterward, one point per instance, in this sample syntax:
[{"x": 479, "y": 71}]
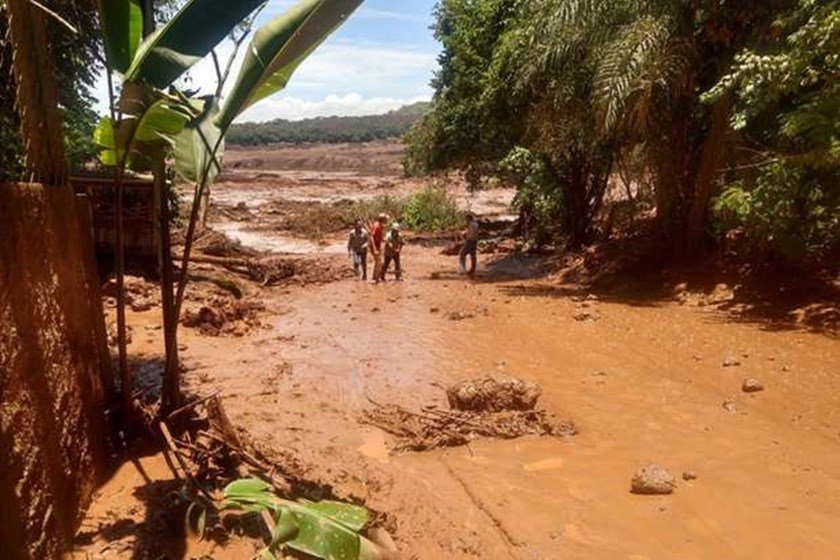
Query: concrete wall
[{"x": 53, "y": 361}]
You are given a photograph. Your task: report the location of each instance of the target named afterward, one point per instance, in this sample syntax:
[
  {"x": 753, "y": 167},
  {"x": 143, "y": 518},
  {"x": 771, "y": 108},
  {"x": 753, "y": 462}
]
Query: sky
[{"x": 382, "y": 58}]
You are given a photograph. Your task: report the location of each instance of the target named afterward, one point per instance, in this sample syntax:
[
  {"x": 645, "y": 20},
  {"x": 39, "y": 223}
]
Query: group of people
[{"x": 386, "y": 247}]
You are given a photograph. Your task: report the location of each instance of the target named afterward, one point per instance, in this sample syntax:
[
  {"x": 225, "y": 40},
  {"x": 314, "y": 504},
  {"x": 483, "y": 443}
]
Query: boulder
[
  {"x": 752, "y": 386},
  {"x": 493, "y": 394},
  {"x": 652, "y": 479}
]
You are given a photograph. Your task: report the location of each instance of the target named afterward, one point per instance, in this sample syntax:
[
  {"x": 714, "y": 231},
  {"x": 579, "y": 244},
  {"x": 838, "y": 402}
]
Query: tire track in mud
[{"x": 512, "y": 542}]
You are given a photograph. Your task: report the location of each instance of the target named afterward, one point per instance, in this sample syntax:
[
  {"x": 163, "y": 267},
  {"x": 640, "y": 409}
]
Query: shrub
[{"x": 431, "y": 209}]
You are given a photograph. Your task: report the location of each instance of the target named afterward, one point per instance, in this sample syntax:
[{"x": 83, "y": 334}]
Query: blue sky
[{"x": 381, "y": 58}]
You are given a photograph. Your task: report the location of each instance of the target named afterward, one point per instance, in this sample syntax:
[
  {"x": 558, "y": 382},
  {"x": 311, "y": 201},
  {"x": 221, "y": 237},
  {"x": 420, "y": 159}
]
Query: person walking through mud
[
  {"x": 377, "y": 233},
  {"x": 357, "y": 249},
  {"x": 470, "y": 246},
  {"x": 393, "y": 248}
]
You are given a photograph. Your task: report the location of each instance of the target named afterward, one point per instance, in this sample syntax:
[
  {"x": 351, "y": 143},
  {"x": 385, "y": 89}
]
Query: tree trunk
[
  {"x": 40, "y": 120},
  {"x": 711, "y": 157}
]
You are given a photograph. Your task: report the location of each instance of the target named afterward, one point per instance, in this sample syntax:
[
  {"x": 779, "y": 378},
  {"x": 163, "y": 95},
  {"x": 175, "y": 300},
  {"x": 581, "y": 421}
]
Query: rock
[
  {"x": 652, "y": 479},
  {"x": 731, "y": 361},
  {"x": 689, "y": 475},
  {"x": 585, "y": 316},
  {"x": 730, "y": 406},
  {"x": 140, "y": 304},
  {"x": 434, "y": 309},
  {"x": 493, "y": 395},
  {"x": 752, "y": 386},
  {"x": 239, "y": 328},
  {"x": 459, "y": 315}
]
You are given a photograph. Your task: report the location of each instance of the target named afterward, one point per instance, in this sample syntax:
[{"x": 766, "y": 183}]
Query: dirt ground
[{"x": 647, "y": 375}]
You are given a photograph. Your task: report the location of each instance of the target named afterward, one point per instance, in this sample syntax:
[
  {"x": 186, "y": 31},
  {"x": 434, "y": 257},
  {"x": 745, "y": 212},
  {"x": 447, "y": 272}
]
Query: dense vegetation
[
  {"x": 719, "y": 114},
  {"x": 76, "y": 57},
  {"x": 328, "y": 129}
]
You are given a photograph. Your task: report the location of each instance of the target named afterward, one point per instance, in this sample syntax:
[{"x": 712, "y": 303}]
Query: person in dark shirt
[
  {"x": 357, "y": 249},
  {"x": 470, "y": 246}
]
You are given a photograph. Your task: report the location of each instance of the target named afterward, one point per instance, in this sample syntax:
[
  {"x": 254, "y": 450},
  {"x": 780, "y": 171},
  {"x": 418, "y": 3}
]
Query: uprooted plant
[{"x": 324, "y": 529}]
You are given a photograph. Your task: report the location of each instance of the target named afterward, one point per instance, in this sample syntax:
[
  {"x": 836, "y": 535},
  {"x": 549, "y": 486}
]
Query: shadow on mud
[
  {"x": 773, "y": 298},
  {"x": 637, "y": 273}
]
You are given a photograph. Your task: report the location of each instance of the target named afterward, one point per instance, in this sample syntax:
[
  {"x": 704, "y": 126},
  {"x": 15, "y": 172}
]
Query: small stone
[
  {"x": 140, "y": 304},
  {"x": 731, "y": 361},
  {"x": 752, "y": 386},
  {"x": 689, "y": 475},
  {"x": 652, "y": 479},
  {"x": 375, "y": 310},
  {"x": 434, "y": 309},
  {"x": 730, "y": 406},
  {"x": 585, "y": 316}
]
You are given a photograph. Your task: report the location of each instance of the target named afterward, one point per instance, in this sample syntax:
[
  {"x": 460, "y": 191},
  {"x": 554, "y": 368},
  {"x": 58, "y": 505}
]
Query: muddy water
[
  {"x": 643, "y": 383},
  {"x": 643, "y": 380}
]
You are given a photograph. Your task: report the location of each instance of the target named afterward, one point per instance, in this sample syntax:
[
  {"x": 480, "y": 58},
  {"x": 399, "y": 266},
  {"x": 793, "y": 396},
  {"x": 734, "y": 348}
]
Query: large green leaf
[
  {"x": 351, "y": 516},
  {"x": 142, "y": 136},
  {"x": 122, "y": 29},
  {"x": 187, "y": 38},
  {"x": 279, "y": 47},
  {"x": 195, "y": 144},
  {"x": 320, "y": 536}
]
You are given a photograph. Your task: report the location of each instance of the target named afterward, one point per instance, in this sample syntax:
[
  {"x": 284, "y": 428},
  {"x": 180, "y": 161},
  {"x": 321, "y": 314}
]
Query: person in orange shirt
[{"x": 377, "y": 234}]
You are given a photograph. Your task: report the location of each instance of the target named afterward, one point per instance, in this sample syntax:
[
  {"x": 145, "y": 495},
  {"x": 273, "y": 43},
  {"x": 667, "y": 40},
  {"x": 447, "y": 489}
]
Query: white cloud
[
  {"x": 295, "y": 108},
  {"x": 373, "y": 13}
]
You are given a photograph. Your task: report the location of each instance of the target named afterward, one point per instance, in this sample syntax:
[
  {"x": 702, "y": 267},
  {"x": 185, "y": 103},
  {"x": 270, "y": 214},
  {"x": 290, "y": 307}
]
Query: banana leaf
[
  {"x": 278, "y": 48},
  {"x": 187, "y": 38},
  {"x": 193, "y": 146},
  {"x": 141, "y": 136},
  {"x": 122, "y": 29}
]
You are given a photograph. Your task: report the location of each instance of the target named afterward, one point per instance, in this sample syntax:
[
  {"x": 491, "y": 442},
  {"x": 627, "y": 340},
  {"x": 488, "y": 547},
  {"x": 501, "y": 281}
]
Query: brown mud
[{"x": 649, "y": 367}]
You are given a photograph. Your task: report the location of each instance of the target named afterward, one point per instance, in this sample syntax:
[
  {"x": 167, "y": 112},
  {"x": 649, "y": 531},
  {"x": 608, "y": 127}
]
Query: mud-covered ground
[{"x": 649, "y": 369}]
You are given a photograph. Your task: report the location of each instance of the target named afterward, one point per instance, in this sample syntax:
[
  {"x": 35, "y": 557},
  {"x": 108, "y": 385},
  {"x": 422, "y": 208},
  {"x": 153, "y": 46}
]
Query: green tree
[{"x": 784, "y": 189}]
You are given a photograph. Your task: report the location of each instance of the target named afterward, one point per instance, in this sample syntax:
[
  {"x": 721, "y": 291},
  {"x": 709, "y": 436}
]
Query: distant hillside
[{"x": 327, "y": 129}]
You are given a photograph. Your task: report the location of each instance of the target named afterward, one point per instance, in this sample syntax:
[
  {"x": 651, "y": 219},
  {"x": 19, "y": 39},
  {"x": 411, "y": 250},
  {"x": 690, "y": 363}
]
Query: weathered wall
[{"x": 52, "y": 364}]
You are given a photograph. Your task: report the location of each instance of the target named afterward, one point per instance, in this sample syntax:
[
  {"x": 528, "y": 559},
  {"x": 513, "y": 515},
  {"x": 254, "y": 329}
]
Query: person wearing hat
[
  {"x": 393, "y": 247},
  {"x": 377, "y": 234}
]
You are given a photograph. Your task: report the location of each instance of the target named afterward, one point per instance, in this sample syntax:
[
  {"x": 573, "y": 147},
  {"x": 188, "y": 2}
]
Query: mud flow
[{"x": 350, "y": 380}]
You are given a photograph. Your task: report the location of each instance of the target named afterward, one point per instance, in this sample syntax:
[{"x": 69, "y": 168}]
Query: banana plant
[
  {"x": 152, "y": 64},
  {"x": 325, "y": 529}
]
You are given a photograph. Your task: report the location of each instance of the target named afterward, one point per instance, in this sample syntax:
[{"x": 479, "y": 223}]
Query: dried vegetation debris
[{"x": 496, "y": 408}]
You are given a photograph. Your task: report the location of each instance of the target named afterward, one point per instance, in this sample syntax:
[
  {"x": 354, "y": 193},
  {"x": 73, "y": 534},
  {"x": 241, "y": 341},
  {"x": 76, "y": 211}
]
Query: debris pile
[
  {"x": 140, "y": 294},
  {"x": 493, "y": 395},
  {"x": 480, "y": 408},
  {"x": 217, "y": 244},
  {"x": 303, "y": 270},
  {"x": 222, "y": 315}
]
